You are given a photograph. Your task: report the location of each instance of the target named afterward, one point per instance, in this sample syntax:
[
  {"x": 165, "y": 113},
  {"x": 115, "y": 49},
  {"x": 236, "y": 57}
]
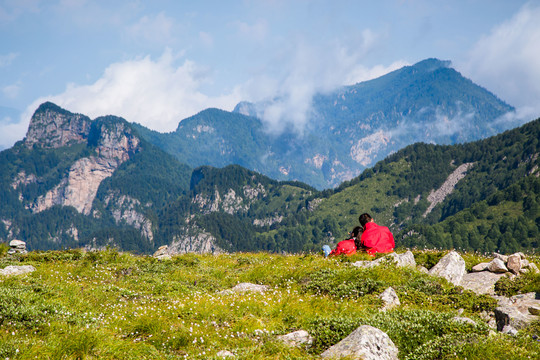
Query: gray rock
[
  {"x": 162, "y": 250},
  {"x": 17, "y": 270},
  {"x": 515, "y": 312},
  {"x": 401, "y": 260},
  {"x": 367, "y": 343},
  {"x": 422, "y": 269},
  {"x": 481, "y": 282},
  {"x": 497, "y": 266},
  {"x": 389, "y": 298},
  {"x": 297, "y": 338},
  {"x": 480, "y": 267},
  {"x": 533, "y": 267},
  {"x": 246, "y": 287},
  {"x": 501, "y": 257},
  {"x": 17, "y": 244},
  {"x": 514, "y": 263},
  {"x": 508, "y": 329},
  {"x": 451, "y": 267},
  {"x": 225, "y": 353},
  {"x": 524, "y": 263}
]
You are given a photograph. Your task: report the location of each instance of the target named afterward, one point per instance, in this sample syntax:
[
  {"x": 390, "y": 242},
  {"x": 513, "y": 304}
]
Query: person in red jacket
[
  {"x": 375, "y": 238},
  {"x": 347, "y": 246}
]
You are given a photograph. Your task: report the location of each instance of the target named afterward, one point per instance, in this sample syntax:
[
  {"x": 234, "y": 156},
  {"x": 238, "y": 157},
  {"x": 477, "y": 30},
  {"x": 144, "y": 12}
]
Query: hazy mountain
[{"x": 348, "y": 130}]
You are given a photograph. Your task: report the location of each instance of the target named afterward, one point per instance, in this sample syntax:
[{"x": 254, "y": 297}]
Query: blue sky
[{"x": 158, "y": 62}]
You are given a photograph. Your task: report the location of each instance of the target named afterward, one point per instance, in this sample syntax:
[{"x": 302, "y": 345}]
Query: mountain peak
[
  {"x": 432, "y": 64},
  {"x": 52, "y": 127}
]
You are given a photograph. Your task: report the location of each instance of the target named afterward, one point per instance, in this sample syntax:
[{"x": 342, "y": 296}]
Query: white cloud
[
  {"x": 256, "y": 31},
  {"x": 11, "y": 131},
  {"x": 11, "y": 91},
  {"x": 158, "y": 28},
  {"x": 6, "y": 60},
  {"x": 306, "y": 69},
  {"x": 506, "y": 60},
  {"x": 157, "y": 94},
  {"x": 206, "y": 39}
]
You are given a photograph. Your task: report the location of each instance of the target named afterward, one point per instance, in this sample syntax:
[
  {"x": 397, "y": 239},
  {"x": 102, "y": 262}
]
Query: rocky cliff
[
  {"x": 54, "y": 127},
  {"x": 78, "y": 188}
]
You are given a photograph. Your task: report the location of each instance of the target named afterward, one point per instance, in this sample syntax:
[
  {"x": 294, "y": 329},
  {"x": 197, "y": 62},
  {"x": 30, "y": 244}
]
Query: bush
[{"x": 529, "y": 282}]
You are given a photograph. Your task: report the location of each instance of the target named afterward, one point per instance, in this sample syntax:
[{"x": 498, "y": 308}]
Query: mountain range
[
  {"x": 77, "y": 182},
  {"x": 346, "y": 131}
]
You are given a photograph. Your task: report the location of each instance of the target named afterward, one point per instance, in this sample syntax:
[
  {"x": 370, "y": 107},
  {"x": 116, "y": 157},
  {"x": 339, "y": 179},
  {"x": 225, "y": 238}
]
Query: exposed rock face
[
  {"x": 437, "y": 196},
  {"x": 128, "y": 209},
  {"x": 367, "y": 343},
  {"x": 200, "y": 243},
  {"x": 230, "y": 202},
  {"x": 53, "y": 127},
  {"x": 366, "y": 149},
  {"x": 451, "y": 267},
  {"x": 79, "y": 188}
]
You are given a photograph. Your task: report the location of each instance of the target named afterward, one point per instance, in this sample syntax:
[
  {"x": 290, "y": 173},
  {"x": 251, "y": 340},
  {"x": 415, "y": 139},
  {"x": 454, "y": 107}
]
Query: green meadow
[{"x": 112, "y": 305}]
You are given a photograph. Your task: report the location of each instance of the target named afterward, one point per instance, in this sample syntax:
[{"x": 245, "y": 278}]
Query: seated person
[
  {"x": 347, "y": 246},
  {"x": 375, "y": 238}
]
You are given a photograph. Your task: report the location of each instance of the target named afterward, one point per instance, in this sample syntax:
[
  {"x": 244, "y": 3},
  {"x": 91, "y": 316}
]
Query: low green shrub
[
  {"x": 343, "y": 283},
  {"x": 528, "y": 282}
]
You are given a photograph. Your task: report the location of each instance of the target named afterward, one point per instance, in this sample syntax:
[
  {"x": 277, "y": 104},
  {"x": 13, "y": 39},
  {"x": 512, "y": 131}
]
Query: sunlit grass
[{"x": 115, "y": 305}]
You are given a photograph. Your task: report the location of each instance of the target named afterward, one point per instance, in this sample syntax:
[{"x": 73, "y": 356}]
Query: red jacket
[
  {"x": 377, "y": 239},
  {"x": 346, "y": 247}
]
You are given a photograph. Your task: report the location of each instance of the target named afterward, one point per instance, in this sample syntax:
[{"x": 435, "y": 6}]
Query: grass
[{"x": 114, "y": 305}]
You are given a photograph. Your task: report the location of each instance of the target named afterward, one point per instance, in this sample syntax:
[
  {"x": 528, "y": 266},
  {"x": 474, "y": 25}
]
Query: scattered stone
[
  {"x": 480, "y": 267},
  {"x": 422, "y": 269},
  {"x": 514, "y": 311},
  {"x": 225, "y": 353},
  {"x": 533, "y": 268},
  {"x": 514, "y": 263},
  {"x": 497, "y": 266},
  {"x": 17, "y": 247},
  {"x": 501, "y": 257},
  {"x": 245, "y": 287},
  {"x": 401, "y": 260},
  {"x": 451, "y": 267},
  {"x": 389, "y": 298},
  {"x": 297, "y": 338},
  {"x": 480, "y": 282},
  {"x": 521, "y": 255},
  {"x": 367, "y": 343},
  {"x": 524, "y": 263},
  {"x": 509, "y": 330},
  {"x": 161, "y": 251},
  {"x": 17, "y": 270}
]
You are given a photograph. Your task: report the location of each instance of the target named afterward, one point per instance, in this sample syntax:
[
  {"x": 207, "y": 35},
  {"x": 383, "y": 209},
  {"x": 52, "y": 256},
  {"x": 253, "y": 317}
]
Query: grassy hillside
[{"x": 117, "y": 305}]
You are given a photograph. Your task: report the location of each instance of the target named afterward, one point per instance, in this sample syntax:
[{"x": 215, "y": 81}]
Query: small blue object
[{"x": 326, "y": 250}]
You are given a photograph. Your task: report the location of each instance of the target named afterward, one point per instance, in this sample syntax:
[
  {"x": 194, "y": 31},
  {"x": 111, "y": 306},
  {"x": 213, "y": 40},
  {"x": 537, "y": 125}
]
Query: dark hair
[
  {"x": 364, "y": 219},
  {"x": 357, "y": 232}
]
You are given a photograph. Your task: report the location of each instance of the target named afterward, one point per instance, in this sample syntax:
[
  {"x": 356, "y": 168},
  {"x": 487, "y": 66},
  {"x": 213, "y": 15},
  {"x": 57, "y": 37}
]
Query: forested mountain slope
[{"x": 75, "y": 182}]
